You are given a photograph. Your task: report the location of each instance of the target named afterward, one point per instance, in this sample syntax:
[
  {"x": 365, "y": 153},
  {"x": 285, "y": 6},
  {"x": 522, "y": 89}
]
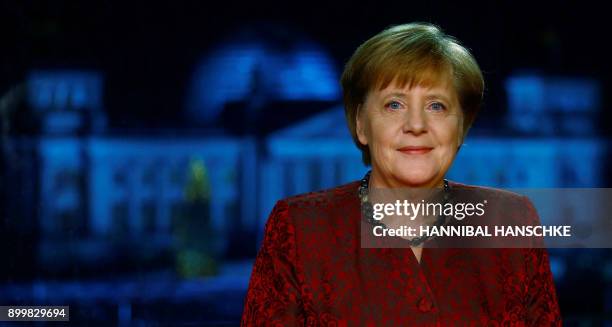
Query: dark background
[{"x": 147, "y": 53}]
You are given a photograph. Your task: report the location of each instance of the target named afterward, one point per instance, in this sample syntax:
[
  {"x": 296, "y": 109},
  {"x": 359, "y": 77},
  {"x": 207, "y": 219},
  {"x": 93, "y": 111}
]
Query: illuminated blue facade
[
  {"x": 257, "y": 72},
  {"x": 104, "y": 196}
]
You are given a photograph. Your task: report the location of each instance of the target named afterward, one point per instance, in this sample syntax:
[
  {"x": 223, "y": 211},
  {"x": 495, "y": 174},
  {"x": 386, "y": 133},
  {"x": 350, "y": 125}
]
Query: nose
[{"x": 415, "y": 122}]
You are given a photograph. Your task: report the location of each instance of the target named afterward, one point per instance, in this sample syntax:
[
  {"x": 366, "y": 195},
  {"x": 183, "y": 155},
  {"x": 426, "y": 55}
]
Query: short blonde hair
[{"x": 411, "y": 54}]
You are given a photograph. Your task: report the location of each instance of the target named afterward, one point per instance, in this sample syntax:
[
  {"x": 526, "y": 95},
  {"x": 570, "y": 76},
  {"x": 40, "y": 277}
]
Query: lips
[{"x": 415, "y": 149}]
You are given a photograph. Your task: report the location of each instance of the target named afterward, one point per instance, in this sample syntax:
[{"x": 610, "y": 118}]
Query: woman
[{"x": 411, "y": 93}]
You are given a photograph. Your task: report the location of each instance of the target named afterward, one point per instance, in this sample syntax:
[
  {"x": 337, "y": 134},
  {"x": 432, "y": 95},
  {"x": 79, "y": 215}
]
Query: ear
[{"x": 360, "y": 125}]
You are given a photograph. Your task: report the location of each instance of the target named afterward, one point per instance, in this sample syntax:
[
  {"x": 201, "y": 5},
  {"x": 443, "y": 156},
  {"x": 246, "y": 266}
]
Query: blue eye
[
  {"x": 394, "y": 105},
  {"x": 437, "y": 106}
]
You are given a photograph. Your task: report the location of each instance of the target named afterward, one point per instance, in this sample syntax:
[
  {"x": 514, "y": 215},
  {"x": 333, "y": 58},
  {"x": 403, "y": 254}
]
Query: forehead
[{"x": 425, "y": 73}]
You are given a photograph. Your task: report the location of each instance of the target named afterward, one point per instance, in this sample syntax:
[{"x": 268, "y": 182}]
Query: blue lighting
[
  {"x": 65, "y": 89},
  {"x": 252, "y": 71},
  {"x": 553, "y": 105}
]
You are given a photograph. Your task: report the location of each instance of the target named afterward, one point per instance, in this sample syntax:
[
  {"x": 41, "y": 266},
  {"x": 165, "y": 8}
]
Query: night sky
[{"x": 148, "y": 50}]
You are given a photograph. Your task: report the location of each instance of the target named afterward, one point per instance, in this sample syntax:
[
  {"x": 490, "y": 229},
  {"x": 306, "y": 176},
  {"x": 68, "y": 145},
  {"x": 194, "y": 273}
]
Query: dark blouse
[{"x": 312, "y": 271}]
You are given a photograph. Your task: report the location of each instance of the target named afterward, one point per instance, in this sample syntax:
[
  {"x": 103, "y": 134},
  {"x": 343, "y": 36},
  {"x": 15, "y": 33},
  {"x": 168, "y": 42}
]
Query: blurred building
[
  {"x": 98, "y": 190},
  {"x": 96, "y": 200}
]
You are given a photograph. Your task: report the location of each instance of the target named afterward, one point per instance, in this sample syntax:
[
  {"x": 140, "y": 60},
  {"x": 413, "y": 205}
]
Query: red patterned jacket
[{"x": 312, "y": 271}]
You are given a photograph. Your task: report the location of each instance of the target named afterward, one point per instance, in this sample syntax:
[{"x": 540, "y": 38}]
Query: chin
[{"x": 415, "y": 177}]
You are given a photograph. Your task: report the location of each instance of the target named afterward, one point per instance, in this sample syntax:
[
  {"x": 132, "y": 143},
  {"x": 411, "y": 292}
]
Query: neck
[{"x": 378, "y": 180}]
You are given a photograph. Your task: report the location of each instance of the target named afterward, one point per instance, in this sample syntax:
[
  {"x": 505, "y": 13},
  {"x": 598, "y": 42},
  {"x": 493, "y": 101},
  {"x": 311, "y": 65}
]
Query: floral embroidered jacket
[{"x": 312, "y": 271}]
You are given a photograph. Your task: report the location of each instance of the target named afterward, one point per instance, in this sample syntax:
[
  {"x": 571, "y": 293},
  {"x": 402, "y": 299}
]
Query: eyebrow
[
  {"x": 438, "y": 96},
  {"x": 434, "y": 95},
  {"x": 397, "y": 94}
]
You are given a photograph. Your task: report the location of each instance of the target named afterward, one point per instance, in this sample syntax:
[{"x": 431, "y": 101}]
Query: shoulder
[
  {"x": 502, "y": 204},
  {"x": 334, "y": 205},
  {"x": 326, "y": 197},
  {"x": 486, "y": 191},
  {"x": 494, "y": 196}
]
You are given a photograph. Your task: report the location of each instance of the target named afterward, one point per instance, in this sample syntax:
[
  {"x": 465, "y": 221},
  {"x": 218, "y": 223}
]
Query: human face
[{"x": 413, "y": 134}]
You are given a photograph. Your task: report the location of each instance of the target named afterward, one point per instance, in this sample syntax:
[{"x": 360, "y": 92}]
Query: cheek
[
  {"x": 383, "y": 135},
  {"x": 449, "y": 135}
]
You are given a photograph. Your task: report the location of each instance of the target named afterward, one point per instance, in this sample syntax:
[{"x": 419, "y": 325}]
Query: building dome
[{"x": 260, "y": 65}]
